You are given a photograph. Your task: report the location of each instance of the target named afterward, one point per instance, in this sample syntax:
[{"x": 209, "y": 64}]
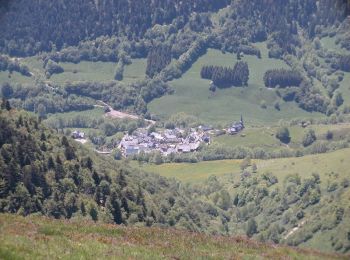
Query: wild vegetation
[
  {"x": 27, "y": 237},
  {"x": 160, "y": 64}
]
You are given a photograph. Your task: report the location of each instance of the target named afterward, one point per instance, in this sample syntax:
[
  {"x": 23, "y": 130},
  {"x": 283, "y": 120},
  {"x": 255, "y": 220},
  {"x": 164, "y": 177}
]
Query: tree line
[
  {"x": 225, "y": 76},
  {"x": 6, "y": 64},
  {"x": 344, "y": 63},
  {"x": 282, "y": 78},
  {"x": 158, "y": 58}
]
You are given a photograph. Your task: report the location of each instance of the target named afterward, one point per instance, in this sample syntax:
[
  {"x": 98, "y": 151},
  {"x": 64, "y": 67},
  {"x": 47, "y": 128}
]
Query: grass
[
  {"x": 329, "y": 43},
  {"x": 194, "y": 172},
  {"x": 264, "y": 137},
  {"x": 323, "y": 164},
  {"x": 85, "y": 71},
  {"x": 192, "y": 95},
  {"x": 100, "y": 71},
  {"x": 82, "y": 71},
  {"x": 42, "y": 238},
  {"x": 95, "y": 113},
  {"x": 14, "y": 78}
]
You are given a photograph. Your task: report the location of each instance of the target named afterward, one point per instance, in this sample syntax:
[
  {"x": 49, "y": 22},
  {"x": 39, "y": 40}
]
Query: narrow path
[
  {"x": 295, "y": 229},
  {"x": 118, "y": 114}
]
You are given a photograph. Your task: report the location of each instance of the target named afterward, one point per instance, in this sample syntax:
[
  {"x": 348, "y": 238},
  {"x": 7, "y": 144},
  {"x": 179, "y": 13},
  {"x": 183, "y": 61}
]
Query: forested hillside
[
  {"x": 42, "y": 172},
  {"x": 147, "y": 82},
  {"x": 45, "y": 173},
  {"x": 32, "y": 26}
]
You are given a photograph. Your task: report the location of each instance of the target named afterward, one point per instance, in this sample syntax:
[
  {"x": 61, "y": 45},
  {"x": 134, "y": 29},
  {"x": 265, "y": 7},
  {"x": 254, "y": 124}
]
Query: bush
[
  {"x": 283, "y": 135},
  {"x": 309, "y": 138}
]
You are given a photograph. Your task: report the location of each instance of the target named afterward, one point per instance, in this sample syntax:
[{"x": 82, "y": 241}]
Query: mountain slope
[{"x": 42, "y": 238}]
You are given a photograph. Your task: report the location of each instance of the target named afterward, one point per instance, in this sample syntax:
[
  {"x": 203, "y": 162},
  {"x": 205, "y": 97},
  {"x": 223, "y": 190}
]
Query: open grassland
[
  {"x": 264, "y": 137},
  {"x": 82, "y": 71},
  {"x": 326, "y": 165},
  {"x": 100, "y": 71},
  {"x": 95, "y": 113},
  {"x": 42, "y": 238},
  {"x": 85, "y": 71},
  {"x": 192, "y": 94},
  {"x": 15, "y": 77},
  {"x": 193, "y": 172},
  {"x": 330, "y": 44},
  {"x": 334, "y": 163}
]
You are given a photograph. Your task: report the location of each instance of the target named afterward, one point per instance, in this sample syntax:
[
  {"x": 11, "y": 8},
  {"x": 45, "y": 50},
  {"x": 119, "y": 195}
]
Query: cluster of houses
[
  {"x": 237, "y": 127},
  {"x": 166, "y": 142},
  {"x": 78, "y": 135}
]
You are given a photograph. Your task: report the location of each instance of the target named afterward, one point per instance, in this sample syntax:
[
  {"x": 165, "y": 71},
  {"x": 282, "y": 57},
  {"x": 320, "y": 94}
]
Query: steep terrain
[
  {"x": 42, "y": 238},
  {"x": 283, "y": 65}
]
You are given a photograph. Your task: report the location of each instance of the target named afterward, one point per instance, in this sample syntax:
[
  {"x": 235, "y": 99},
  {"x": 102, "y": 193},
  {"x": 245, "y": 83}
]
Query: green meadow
[
  {"x": 100, "y": 71},
  {"x": 192, "y": 94},
  {"x": 193, "y": 172},
  {"x": 324, "y": 164},
  {"x": 36, "y": 237},
  {"x": 15, "y": 77},
  {"x": 264, "y": 137}
]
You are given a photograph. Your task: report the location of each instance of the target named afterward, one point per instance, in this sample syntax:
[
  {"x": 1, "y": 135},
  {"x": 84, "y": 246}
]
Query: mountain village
[{"x": 167, "y": 141}]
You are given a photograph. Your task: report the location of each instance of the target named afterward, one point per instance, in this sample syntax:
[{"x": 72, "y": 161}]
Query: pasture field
[
  {"x": 15, "y": 77},
  {"x": 264, "y": 137},
  {"x": 36, "y": 237},
  {"x": 193, "y": 172},
  {"x": 82, "y": 71},
  {"x": 192, "y": 94},
  {"x": 330, "y": 43},
  {"x": 100, "y": 71},
  {"x": 326, "y": 165},
  {"x": 85, "y": 71},
  {"x": 95, "y": 113}
]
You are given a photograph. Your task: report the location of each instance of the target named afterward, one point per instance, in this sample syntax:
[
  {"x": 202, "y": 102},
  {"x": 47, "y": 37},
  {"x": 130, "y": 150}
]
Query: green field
[
  {"x": 42, "y": 238},
  {"x": 193, "y": 172},
  {"x": 82, "y": 71},
  {"x": 95, "y": 113},
  {"x": 323, "y": 164},
  {"x": 100, "y": 71},
  {"x": 264, "y": 137},
  {"x": 15, "y": 77},
  {"x": 330, "y": 43},
  {"x": 192, "y": 95}
]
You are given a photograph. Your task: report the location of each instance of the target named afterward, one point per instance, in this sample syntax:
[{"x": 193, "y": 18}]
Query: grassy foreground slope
[{"x": 43, "y": 238}]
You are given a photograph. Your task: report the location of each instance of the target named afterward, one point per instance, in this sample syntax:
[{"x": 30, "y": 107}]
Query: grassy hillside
[
  {"x": 299, "y": 201},
  {"x": 265, "y": 136},
  {"x": 42, "y": 238},
  {"x": 324, "y": 164},
  {"x": 100, "y": 71},
  {"x": 193, "y": 172},
  {"x": 82, "y": 71},
  {"x": 192, "y": 94}
]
